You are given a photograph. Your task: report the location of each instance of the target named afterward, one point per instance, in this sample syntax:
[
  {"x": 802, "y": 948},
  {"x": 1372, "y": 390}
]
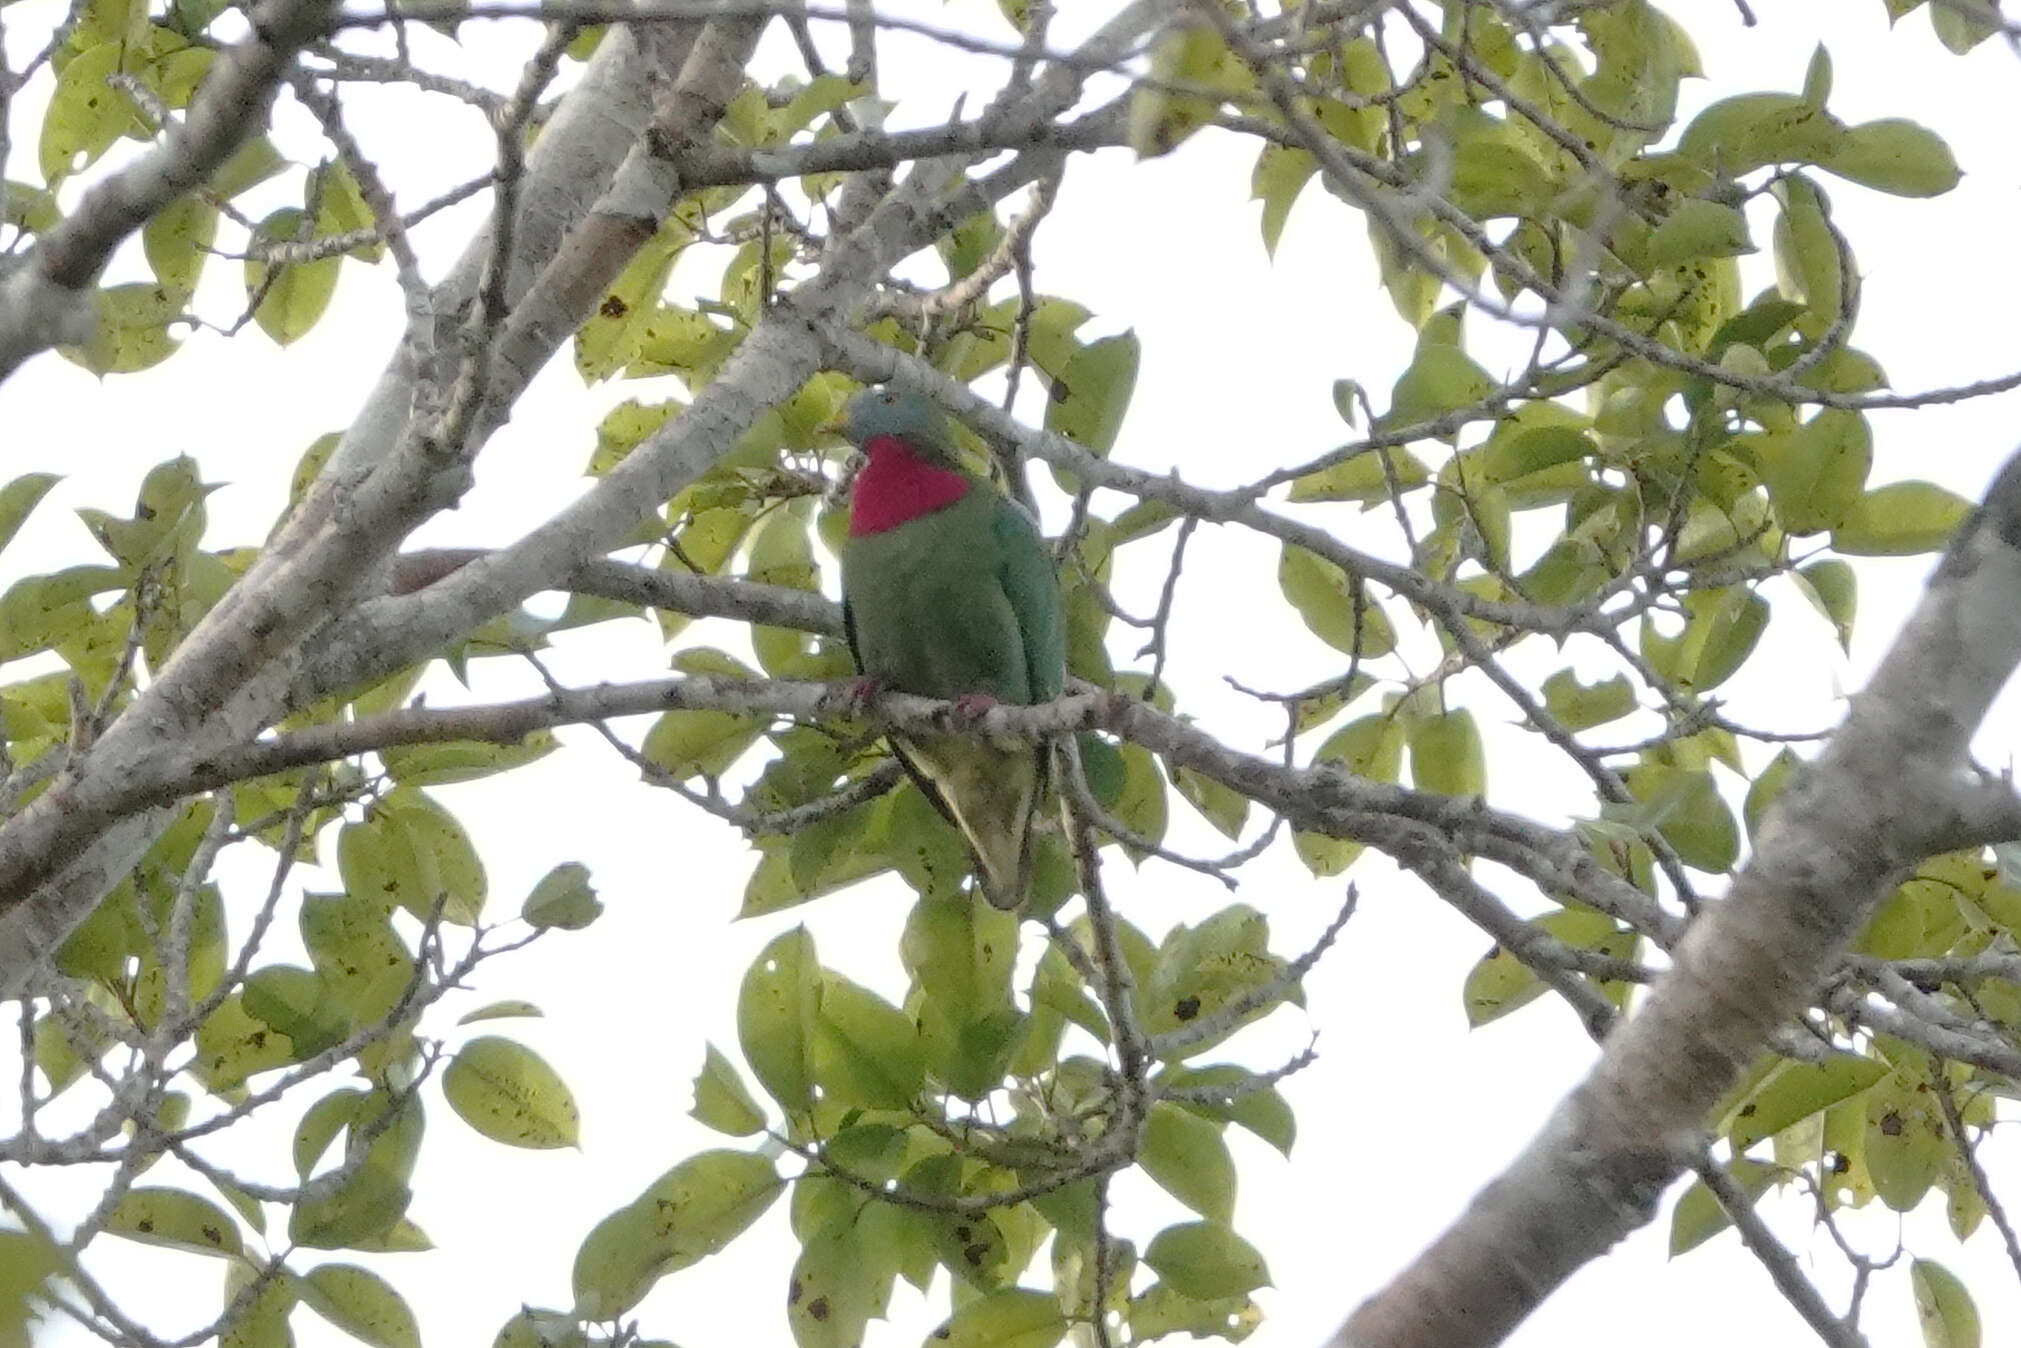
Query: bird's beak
[{"x": 834, "y": 424}]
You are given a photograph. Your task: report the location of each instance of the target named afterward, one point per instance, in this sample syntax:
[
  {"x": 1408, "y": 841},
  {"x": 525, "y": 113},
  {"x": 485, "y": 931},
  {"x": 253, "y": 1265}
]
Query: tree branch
[
  {"x": 1878, "y": 799},
  {"x": 45, "y": 300}
]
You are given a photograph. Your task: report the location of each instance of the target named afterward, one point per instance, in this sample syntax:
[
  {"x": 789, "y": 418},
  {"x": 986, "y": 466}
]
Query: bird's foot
[
  {"x": 858, "y": 695},
  {"x": 970, "y": 708}
]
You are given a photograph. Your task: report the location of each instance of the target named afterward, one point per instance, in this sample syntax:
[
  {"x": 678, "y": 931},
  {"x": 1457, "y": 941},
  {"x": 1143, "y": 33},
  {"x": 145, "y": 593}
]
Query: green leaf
[
  {"x": 1816, "y": 476},
  {"x": 1795, "y": 1091},
  {"x": 132, "y": 329},
  {"x": 1807, "y": 262},
  {"x": 18, "y": 500},
  {"x": 1901, "y": 519},
  {"x": 27, "y": 1264},
  {"x": 1944, "y": 1307},
  {"x": 178, "y": 241},
  {"x": 320, "y": 1123},
  {"x": 1686, "y": 808},
  {"x": 1739, "y": 134},
  {"x": 1202, "y": 968},
  {"x": 834, "y": 1287},
  {"x": 178, "y": 1220},
  {"x": 367, "y": 1204},
  {"x": 1446, "y": 755},
  {"x": 1580, "y": 706},
  {"x": 687, "y": 1214},
  {"x": 1699, "y": 1216},
  {"x": 410, "y": 851},
  {"x": 1725, "y": 626},
  {"x": 250, "y": 165},
  {"x": 701, "y": 743},
  {"x": 362, "y": 1304},
  {"x": 1222, "y": 806},
  {"x": 1014, "y": 1317},
  {"x": 1500, "y": 983},
  {"x": 1440, "y": 379},
  {"x": 1906, "y": 1142},
  {"x": 1141, "y": 804},
  {"x": 1363, "y": 478},
  {"x": 86, "y": 115},
  {"x": 1895, "y": 156},
  {"x": 505, "y": 1091},
  {"x": 1092, "y": 392},
  {"x": 263, "y": 1322},
  {"x": 1336, "y": 609},
  {"x": 1206, "y": 1261},
  {"x": 295, "y": 1002},
  {"x": 340, "y": 207},
  {"x": 30, "y": 209},
  {"x": 562, "y": 898},
  {"x": 1761, "y": 793},
  {"x": 721, "y": 1102},
  {"x": 1960, "y": 29},
  {"x": 611, "y": 337},
  {"x": 1187, "y": 56},
  {"x": 1370, "y": 748},
  {"x": 463, "y": 760},
  {"x": 1697, "y": 228},
  {"x": 776, "y": 1008},
  {"x": 232, "y": 1045},
  {"x": 1832, "y": 587},
  {"x": 1159, "y": 1310},
  {"x": 1260, "y": 1109},
  {"x": 510, "y": 1009},
  {"x": 1188, "y": 1159},
  {"x": 864, "y": 1050},
  {"x": 1281, "y": 173},
  {"x": 535, "y": 1327},
  {"x": 362, "y": 963},
  {"x": 290, "y": 299}
]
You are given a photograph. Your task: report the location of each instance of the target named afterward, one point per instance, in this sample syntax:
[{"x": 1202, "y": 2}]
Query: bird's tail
[{"x": 989, "y": 794}]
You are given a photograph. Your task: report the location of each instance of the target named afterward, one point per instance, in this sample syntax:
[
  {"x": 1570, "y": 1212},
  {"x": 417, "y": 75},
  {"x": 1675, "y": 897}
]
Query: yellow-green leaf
[
  {"x": 563, "y": 898},
  {"x": 1699, "y": 1216},
  {"x": 1206, "y": 1261},
  {"x": 1335, "y": 608},
  {"x": 178, "y": 1220},
  {"x": 1014, "y": 1317},
  {"x": 362, "y": 1304},
  {"x": 1579, "y": 706},
  {"x": 1944, "y": 1306},
  {"x": 775, "y": 1017},
  {"x": 1446, "y": 754},
  {"x": 721, "y": 1101},
  {"x": 508, "y": 1093},
  {"x": 1901, "y": 519},
  {"x": 1188, "y": 1159},
  {"x": 1897, "y": 156},
  {"x": 290, "y": 299},
  {"x": 1092, "y": 391},
  {"x": 687, "y": 1214}
]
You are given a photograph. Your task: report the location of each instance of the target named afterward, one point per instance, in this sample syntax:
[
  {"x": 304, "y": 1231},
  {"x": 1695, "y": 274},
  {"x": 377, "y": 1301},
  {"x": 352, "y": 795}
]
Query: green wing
[{"x": 1025, "y": 571}]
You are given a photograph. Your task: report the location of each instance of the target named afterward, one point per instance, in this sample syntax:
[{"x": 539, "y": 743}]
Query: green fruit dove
[{"x": 948, "y": 592}]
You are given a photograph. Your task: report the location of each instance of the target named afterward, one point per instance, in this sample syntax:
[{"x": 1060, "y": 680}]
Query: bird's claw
[
  {"x": 859, "y": 694},
  {"x": 970, "y": 708}
]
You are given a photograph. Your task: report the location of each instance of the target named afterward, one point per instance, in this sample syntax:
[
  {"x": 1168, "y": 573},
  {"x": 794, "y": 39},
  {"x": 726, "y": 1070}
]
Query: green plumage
[{"x": 955, "y": 602}]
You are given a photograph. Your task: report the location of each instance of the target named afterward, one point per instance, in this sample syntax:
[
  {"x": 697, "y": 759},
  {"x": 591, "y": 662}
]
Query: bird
[{"x": 948, "y": 591}]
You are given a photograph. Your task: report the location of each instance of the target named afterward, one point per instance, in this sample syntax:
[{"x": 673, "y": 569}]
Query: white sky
[{"x": 1406, "y": 1113}]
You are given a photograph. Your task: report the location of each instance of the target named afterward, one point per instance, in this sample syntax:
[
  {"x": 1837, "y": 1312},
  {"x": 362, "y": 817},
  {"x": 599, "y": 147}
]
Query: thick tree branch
[
  {"x": 581, "y": 143},
  {"x": 1879, "y": 799},
  {"x": 45, "y": 300}
]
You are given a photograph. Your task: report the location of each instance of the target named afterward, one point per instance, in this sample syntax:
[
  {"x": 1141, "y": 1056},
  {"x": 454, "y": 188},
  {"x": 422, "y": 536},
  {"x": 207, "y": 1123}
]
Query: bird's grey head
[{"x": 881, "y": 410}]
